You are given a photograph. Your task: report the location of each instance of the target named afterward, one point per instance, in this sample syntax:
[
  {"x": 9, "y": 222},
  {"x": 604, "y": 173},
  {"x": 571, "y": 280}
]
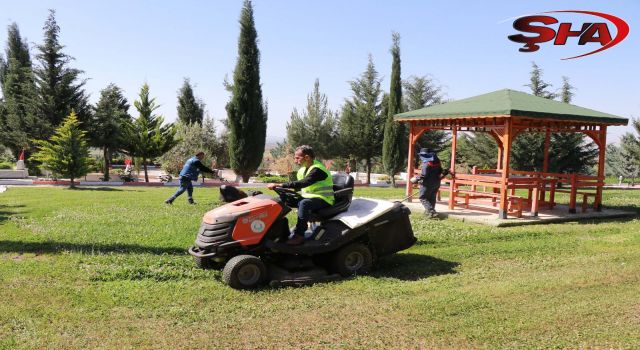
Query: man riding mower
[{"x": 250, "y": 236}]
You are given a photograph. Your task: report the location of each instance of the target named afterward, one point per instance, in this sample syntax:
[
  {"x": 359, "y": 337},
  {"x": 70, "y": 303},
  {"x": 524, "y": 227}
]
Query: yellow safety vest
[{"x": 321, "y": 189}]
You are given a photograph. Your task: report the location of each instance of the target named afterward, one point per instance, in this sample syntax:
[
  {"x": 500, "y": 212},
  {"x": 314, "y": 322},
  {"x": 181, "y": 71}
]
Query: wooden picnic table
[{"x": 488, "y": 184}]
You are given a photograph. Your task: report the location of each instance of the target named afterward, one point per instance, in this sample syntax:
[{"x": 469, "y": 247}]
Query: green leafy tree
[
  {"x": 190, "y": 109},
  {"x": 191, "y": 138},
  {"x": 106, "y": 127},
  {"x": 394, "y": 146},
  {"x": 59, "y": 87},
  {"x": 420, "y": 92},
  {"x": 316, "y": 126},
  {"x": 18, "y": 124},
  {"x": 361, "y": 121},
  {"x": 246, "y": 112},
  {"x": 146, "y": 137},
  {"x": 67, "y": 154}
]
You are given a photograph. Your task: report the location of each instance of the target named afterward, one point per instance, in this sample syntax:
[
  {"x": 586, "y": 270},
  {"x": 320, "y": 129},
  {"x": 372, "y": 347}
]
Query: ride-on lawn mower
[{"x": 246, "y": 237}]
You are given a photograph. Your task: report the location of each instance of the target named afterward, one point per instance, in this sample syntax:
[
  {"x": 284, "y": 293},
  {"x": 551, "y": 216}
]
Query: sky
[{"x": 462, "y": 45}]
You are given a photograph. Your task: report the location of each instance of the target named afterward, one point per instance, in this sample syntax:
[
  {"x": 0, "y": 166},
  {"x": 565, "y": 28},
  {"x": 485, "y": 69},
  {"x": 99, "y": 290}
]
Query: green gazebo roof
[{"x": 514, "y": 103}]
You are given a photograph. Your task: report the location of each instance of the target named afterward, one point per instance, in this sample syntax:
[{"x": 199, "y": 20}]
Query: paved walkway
[{"x": 489, "y": 216}]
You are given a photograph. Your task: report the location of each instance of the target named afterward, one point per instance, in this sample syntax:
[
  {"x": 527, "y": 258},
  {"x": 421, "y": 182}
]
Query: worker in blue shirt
[{"x": 190, "y": 172}]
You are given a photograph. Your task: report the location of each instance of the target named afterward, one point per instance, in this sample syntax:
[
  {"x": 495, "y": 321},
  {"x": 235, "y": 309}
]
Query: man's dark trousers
[
  {"x": 185, "y": 185},
  {"x": 305, "y": 207},
  {"x": 428, "y": 197}
]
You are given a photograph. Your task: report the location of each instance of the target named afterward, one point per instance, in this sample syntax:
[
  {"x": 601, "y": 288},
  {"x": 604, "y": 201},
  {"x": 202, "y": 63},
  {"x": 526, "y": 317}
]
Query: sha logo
[{"x": 587, "y": 32}]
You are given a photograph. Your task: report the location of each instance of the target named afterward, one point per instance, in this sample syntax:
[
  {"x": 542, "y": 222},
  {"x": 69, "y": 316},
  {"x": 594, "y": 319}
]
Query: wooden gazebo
[{"x": 504, "y": 114}]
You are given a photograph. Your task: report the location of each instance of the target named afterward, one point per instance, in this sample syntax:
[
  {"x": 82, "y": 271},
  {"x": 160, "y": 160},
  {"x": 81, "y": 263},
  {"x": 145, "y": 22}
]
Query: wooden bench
[
  {"x": 516, "y": 203},
  {"x": 585, "y": 197}
]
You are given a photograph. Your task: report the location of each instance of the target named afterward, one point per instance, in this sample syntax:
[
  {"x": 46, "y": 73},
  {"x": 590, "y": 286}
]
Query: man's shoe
[
  {"x": 296, "y": 240},
  {"x": 168, "y": 201},
  {"x": 191, "y": 201}
]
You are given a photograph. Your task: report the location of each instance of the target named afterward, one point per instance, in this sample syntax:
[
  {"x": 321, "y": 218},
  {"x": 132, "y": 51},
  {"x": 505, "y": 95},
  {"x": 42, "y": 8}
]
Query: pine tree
[
  {"x": 59, "y": 88},
  {"x": 477, "y": 149},
  {"x": 67, "y": 153},
  {"x": 246, "y": 113},
  {"x": 361, "y": 121},
  {"x": 537, "y": 85},
  {"x": 629, "y": 166},
  {"x": 190, "y": 109},
  {"x": 569, "y": 152},
  {"x": 146, "y": 137},
  {"x": 394, "y": 146},
  {"x": 107, "y": 123},
  {"x": 315, "y": 127},
  {"x": 566, "y": 95},
  {"x": 420, "y": 92},
  {"x": 527, "y": 150},
  {"x": 18, "y": 125}
]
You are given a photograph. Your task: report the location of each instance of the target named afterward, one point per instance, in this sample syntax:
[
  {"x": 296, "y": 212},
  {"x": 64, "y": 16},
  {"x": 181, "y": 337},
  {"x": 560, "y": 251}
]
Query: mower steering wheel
[
  {"x": 284, "y": 191},
  {"x": 289, "y": 195}
]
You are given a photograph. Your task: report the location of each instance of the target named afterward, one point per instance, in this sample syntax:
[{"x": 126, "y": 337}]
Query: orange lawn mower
[{"x": 246, "y": 237}]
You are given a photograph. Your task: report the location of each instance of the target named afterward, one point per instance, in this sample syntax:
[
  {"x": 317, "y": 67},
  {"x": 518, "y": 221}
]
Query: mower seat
[{"x": 342, "y": 192}]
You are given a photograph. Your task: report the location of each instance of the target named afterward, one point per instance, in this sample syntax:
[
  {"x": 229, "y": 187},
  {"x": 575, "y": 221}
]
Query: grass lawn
[{"x": 107, "y": 268}]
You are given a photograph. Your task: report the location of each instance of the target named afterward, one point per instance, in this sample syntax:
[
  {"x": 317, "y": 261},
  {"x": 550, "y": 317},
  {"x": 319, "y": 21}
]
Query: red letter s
[{"x": 523, "y": 24}]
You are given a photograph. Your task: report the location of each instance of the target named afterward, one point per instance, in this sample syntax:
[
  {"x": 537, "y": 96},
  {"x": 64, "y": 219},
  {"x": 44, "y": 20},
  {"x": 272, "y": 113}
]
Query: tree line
[
  {"x": 45, "y": 101},
  {"x": 363, "y": 132},
  {"x": 40, "y": 97}
]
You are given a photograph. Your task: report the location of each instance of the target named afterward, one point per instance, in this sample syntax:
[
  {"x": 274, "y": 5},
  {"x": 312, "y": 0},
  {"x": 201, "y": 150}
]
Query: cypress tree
[
  {"x": 395, "y": 143},
  {"x": 316, "y": 126},
  {"x": 18, "y": 126},
  {"x": 190, "y": 110},
  {"x": 146, "y": 137},
  {"x": 67, "y": 154},
  {"x": 246, "y": 113},
  {"x": 59, "y": 87},
  {"x": 361, "y": 122},
  {"x": 107, "y": 123}
]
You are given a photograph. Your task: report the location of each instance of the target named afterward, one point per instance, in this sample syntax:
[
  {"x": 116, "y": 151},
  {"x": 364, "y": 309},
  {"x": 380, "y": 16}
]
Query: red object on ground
[{"x": 21, "y": 157}]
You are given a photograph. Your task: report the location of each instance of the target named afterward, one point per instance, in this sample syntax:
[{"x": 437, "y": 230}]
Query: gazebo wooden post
[
  {"x": 506, "y": 143},
  {"x": 410, "y": 162},
  {"x": 452, "y": 167},
  {"x": 545, "y": 163},
  {"x": 602, "y": 140}
]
